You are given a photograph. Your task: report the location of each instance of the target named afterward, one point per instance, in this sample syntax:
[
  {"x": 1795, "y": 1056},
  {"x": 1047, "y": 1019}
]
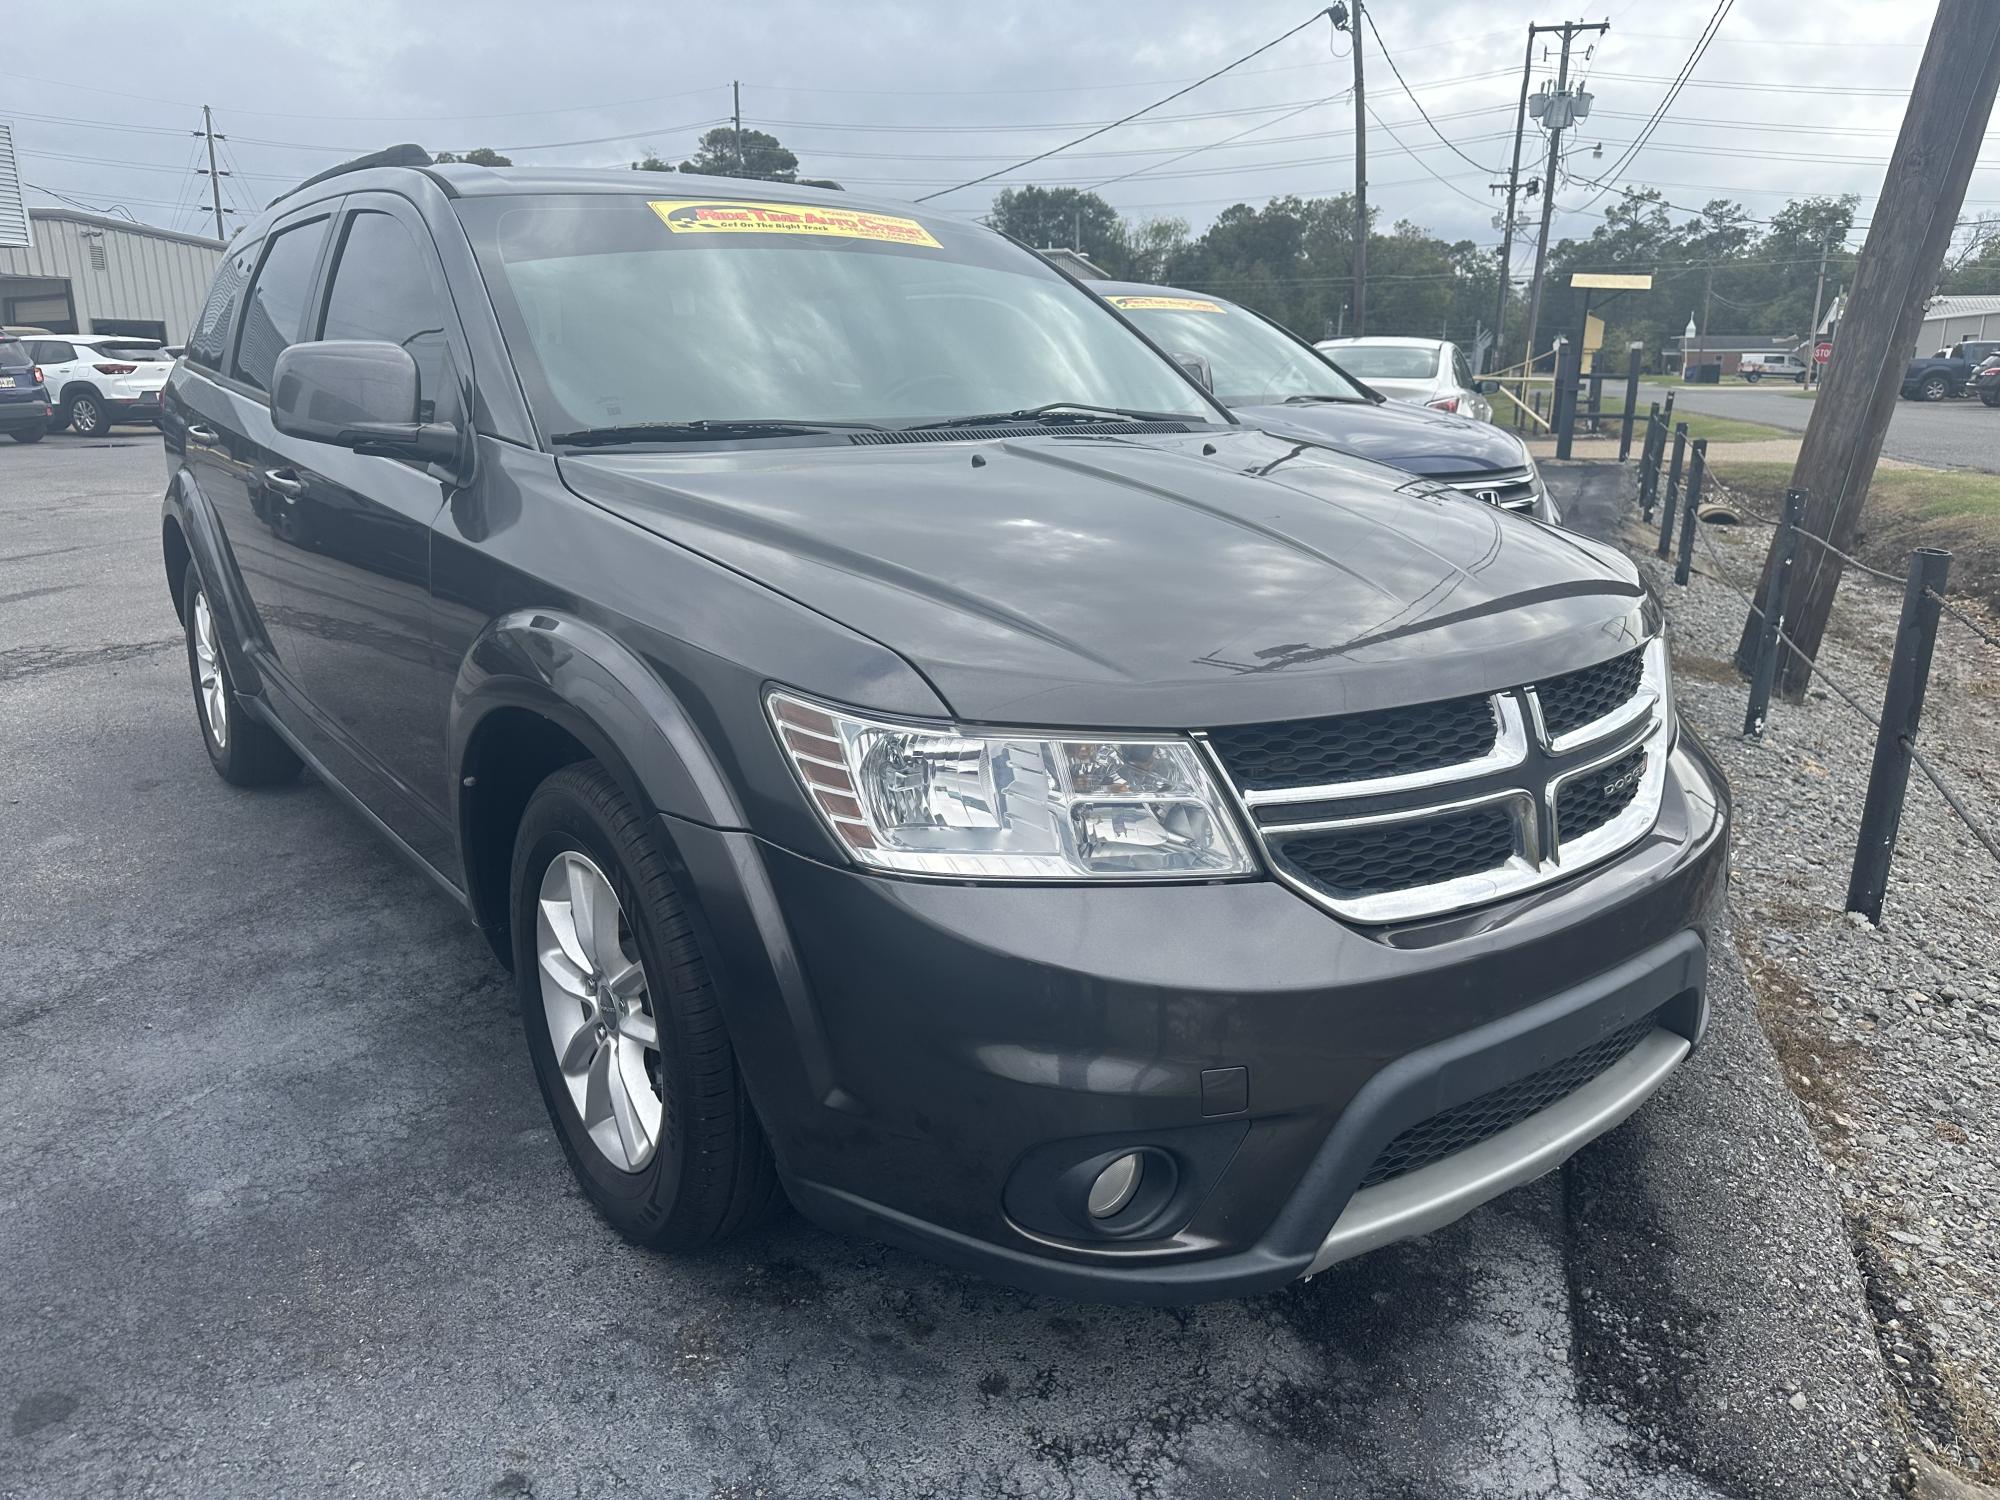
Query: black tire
[
  {"x": 1800, "y": 377},
  {"x": 1751, "y": 377},
  {"x": 85, "y": 415},
  {"x": 1990, "y": 398},
  {"x": 711, "y": 1173},
  {"x": 30, "y": 434},
  {"x": 247, "y": 751},
  {"x": 1934, "y": 388}
]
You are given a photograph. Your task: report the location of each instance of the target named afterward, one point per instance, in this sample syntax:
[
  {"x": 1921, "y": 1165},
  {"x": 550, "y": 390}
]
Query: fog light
[{"x": 1115, "y": 1186}]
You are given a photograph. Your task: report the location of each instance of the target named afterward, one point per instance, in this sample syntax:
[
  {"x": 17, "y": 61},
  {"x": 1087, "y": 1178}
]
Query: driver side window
[{"x": 383, "y": 289}]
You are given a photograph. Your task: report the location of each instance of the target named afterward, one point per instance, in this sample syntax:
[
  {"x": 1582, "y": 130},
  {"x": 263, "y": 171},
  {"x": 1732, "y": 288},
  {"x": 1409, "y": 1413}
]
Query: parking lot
[{"x": 280, "y": 1212}]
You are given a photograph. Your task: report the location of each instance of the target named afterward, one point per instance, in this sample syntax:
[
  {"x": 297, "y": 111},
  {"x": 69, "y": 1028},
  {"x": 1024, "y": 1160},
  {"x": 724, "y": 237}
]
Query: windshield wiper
[
  {"x": 1055, "y": 411},
  {"x": 700, "y": 428}
]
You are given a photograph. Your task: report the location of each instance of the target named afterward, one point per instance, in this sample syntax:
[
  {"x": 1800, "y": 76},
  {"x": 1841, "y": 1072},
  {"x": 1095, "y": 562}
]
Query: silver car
[{"x": 1426, "y": 372}]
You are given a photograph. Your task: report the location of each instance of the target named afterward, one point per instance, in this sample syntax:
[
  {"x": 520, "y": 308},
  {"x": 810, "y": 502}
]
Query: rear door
[
  {"x": 356, "y": 581},
  {"x": 222, "y": 417}
]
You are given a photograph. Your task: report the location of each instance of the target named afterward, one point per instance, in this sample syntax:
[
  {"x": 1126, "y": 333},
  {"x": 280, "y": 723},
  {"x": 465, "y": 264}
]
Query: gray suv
[{"x": 917, "y": 754}]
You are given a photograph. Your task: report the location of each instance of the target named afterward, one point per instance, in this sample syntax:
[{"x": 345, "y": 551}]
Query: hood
[
  {"x": 1164, "y": 582},
  {"x": 1404, "y": 437}
]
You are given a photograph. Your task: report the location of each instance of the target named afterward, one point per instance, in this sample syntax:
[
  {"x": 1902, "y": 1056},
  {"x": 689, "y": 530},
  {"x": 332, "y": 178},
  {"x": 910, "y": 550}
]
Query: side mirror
[
  {"x": 1484, "y": 387},
  {"x": 359, "y": 394},
  {"x": 1199, "y": 368}
]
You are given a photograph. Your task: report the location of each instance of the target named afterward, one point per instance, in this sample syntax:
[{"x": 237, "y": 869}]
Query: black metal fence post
[
  {"x": 1567, "y": 367},
  {"x": 1764, "y": 670},
  {"x": 1631, "y": 404},
  {"x": 1902, "y": 707},
  {"x": 1673, "y": 490},
  {"x": 1697, "y": 471},
  {"x": 1649, "y": 461}
]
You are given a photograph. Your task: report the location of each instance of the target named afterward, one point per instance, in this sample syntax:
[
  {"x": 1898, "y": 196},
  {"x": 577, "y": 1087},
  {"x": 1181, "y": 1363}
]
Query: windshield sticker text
[{"x": 726, "y": 216}]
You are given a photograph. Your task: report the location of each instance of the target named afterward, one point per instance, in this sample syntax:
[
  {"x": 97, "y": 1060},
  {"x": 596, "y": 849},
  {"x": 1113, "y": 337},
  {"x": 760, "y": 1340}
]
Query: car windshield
[
  {"x": 1385, "y": 361},
  {"x": 623, "y": 313},
  {"x": 1254, "y": 364}
]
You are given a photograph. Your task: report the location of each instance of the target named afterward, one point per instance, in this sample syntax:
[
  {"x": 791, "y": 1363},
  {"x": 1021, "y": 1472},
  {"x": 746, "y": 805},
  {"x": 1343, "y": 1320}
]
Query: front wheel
[
  {"x": 625, "y": 1024},
  {"x": 1934, "y": 388},
  {"x": 87, "y": 416}
]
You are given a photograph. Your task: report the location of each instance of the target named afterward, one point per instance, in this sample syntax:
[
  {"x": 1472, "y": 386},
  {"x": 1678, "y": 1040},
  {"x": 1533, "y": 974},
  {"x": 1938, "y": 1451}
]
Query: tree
[
  {"x": 1048, "y": 217},
  {"x": 1156, "y": 244},
  {"x": 652, "y": 163},
  {"x": 727, "y": 152},
  {"x": 479, "y": 156}
]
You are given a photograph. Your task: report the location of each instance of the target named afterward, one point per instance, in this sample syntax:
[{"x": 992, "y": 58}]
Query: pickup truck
[
  {"x": 1946, "y": 372},
  {"x": 1754, "y": 367}
]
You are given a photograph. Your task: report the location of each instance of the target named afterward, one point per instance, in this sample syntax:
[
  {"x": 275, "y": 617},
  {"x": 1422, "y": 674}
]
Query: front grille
[
  {"x": 1587, "y": 802},
  {"x": 1511, "y": 489},
  {"x": 1357, "y": 747},
  {"x": 1480, "y": 1119},
  {"x": 1578, "y": 698},
  {"x": 1348, "y": 863}
]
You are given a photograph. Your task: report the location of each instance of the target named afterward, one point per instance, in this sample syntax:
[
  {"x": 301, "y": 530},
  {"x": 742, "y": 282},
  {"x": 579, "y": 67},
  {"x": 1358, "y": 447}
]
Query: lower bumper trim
[{"x": 1434, "y": 1196}]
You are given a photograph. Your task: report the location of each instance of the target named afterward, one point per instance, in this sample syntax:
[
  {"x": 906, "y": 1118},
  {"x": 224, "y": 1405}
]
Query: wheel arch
[{"x": 539, "y": 690}]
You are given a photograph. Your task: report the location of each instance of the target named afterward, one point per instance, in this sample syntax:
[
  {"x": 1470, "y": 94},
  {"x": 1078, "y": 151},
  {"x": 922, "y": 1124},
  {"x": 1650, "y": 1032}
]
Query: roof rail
[{"x": 405, "y": 155}]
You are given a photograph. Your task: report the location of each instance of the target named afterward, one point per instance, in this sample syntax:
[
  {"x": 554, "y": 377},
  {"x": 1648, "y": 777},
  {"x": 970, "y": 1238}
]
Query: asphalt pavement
[
  {"x": 1961, "y": 434},
  {"x": 281, "y": 1214}
]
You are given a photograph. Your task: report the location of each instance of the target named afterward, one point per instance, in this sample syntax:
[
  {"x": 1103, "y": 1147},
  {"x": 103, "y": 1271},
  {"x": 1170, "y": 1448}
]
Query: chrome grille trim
[
  {"x": 1512, "y": 489},
  {"x": 1510, "y": 749},
  {"x": 1644, "y": 722}
]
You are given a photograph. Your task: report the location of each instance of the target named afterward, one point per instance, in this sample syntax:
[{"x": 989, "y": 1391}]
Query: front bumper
[{"x": 933, "y": 1061}]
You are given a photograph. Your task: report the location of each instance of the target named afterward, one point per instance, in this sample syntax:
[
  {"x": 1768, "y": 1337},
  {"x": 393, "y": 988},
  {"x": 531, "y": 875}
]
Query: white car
[
  {"x": 1427, "y": 372},
  {"x": 96, "y": 379}
]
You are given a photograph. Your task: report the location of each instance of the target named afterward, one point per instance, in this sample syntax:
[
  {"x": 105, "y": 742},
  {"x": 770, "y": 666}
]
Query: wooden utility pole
[
  {"x": 1499, "y": 358},
  {"x": 736, "y": 117},
  {"x": 1922, "y": 194},
  {"x": 1559, "y": 105},
  {"x": 1360, "y": 182}
]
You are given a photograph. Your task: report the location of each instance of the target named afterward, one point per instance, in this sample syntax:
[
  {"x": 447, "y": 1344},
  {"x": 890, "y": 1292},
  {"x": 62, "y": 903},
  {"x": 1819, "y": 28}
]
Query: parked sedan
[
  {"x": 1274, "y": 380},
  {"x": 1429, "y": 372}
]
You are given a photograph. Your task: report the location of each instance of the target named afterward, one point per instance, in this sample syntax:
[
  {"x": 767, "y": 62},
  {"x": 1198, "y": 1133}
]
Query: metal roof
[
  {"x": 1960, "y": 307},
  {"x": 14, "y": 226},
  {"x": 123, "y": 226}
]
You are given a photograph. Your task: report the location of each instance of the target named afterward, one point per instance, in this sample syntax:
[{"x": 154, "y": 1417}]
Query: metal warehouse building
[{"x": 88, "y": 273}]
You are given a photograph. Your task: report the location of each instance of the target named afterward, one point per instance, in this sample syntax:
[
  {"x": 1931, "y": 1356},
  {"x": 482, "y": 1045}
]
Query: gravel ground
[
  {"x": 1936, "y": 434},
  {"x": 1889, "y": 1036}
]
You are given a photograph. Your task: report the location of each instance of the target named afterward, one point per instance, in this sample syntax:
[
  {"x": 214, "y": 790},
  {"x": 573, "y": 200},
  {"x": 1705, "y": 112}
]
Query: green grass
[{"x": 1702, "y": 425}]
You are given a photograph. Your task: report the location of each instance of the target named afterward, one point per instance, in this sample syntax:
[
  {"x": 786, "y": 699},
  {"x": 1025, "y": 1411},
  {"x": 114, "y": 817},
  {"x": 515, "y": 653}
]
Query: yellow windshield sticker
[
  {"x": 1134, "y": 303},
  {"x": 728, "y": 216}
]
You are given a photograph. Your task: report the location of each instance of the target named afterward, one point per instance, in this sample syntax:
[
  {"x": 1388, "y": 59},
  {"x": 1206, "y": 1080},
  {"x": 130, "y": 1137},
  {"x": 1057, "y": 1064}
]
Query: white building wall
[{"x": 147, "y": 273}]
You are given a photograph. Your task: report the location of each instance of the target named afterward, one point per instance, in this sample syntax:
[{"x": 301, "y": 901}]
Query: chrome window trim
[
  {"x": 1522, "y": 870},
  {"x": 1640, "y": 706},
  {"x": 1510, "y": 749}
]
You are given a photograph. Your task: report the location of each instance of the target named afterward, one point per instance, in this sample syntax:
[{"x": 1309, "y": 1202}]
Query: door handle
[
  {"x": 285, "y": 482},
  {"x": 203, "y": 434}
]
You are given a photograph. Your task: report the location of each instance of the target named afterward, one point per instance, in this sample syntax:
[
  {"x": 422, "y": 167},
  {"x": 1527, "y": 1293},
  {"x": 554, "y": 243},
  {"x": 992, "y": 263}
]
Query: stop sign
[{"x": 1822, "y": 353}]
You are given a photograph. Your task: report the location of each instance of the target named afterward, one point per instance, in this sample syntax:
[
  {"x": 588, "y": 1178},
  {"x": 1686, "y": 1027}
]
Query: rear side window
[
  {"x": 210, "y": 340},
  {"x": 276, "y": 307},
  {"x": 383, "y": 289},
  {"x": 52, "y": 351}
]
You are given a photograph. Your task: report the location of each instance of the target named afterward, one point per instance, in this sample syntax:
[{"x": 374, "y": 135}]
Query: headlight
[{"x": 975, "y": 805}]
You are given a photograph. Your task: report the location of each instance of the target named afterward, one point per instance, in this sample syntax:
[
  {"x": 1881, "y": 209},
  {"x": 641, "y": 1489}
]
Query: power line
[
  {"x": 1666, "y": 103},
  {"x": 1126, "y": 119},
  {"x": 1376, "y": 32},
  {"x": 1225, "y": 142},
  {"x": 1411, "y": 152}
]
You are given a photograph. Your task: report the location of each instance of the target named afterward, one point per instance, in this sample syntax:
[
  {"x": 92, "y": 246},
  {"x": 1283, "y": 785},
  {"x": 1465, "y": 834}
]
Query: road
[
  {"x": 1960, "y": 434},
  {"x": 281, "y": 1214}
]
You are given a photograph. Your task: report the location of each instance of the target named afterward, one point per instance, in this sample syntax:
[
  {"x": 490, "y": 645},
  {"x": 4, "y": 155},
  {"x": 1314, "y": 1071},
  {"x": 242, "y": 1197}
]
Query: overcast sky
[{"x": 899, "y": 100}]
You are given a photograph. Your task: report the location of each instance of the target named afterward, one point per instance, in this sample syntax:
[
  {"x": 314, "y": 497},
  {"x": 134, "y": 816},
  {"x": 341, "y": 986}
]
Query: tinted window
[
  {"x": 276, "y": 307},
  {"x": 210, "y": 339},
  {"x": 619, "y": 312},
  {"x": 13, "y": 356},
  {"x": 382, "y": 289},
  {"x": 52, "y": 352},
  {"x": 1253, "y": 363}
]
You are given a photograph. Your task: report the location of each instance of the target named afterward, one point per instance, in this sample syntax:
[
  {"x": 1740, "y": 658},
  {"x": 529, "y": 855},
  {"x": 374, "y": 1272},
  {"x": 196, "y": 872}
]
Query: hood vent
[{"x": 1012, "y": 430}]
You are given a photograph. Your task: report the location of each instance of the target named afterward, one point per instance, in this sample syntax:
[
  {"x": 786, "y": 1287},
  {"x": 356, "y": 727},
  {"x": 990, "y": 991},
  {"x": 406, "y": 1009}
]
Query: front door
[{"x": 356, "y": 586}]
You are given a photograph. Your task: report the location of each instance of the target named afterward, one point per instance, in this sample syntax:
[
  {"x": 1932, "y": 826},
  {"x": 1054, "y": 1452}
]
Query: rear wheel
[
  {"x": 1753, "y": 376},
  {"x": 30, "y": 434},
  {"x": 243, "y": 750},
  {"x": 625, "y": 1025},
  {"x": 87, "y": 416}
]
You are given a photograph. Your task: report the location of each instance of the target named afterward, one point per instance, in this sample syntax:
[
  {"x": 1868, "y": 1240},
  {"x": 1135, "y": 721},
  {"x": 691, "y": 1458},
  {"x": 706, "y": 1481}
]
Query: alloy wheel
[
  {"x": 85, "y": 416},
  {"x": 599, "y": 1010},
  {"x": 208, "y": 672}
]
